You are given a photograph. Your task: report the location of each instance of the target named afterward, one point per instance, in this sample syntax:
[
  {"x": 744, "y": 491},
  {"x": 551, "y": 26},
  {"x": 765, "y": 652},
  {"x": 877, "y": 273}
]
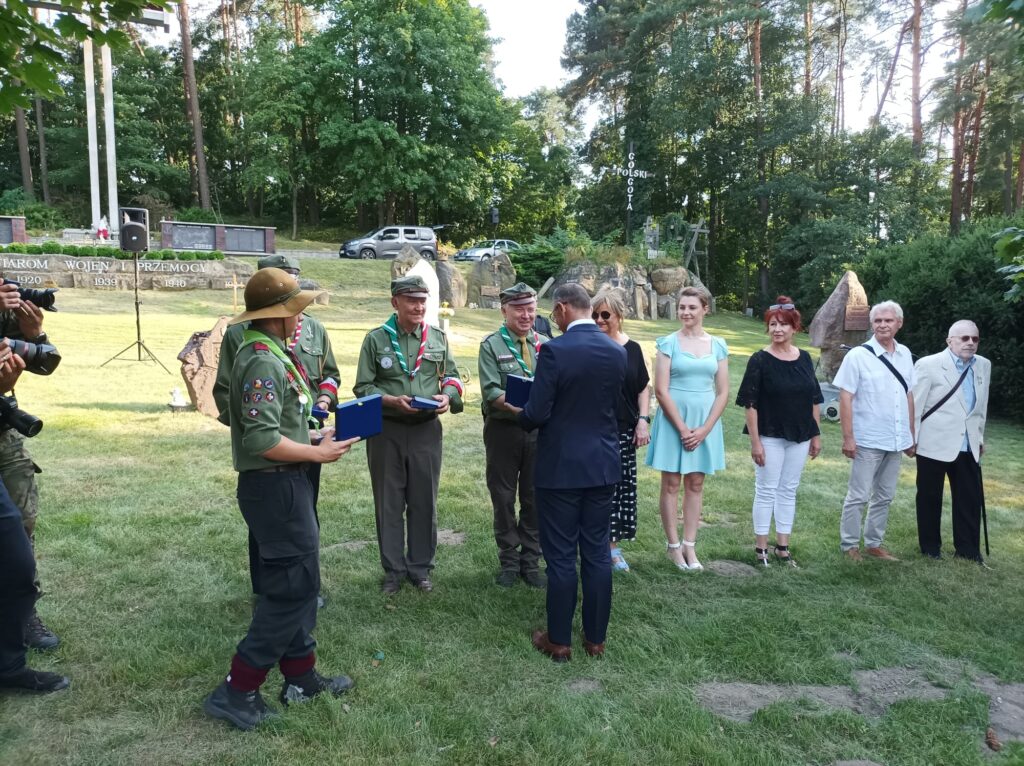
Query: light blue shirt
[{"x": 970, "y": 395}]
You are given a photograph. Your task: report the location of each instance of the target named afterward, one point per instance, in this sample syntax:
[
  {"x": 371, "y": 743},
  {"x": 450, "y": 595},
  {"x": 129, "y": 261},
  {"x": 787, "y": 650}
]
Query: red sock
[
  {"x": 293, "y": 667},
  {"x": 244, "y": 677}
]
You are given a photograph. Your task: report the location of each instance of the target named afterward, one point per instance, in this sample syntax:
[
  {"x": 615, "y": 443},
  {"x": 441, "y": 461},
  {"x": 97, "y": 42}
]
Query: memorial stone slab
[
  {"x": 117, "y": 274},
  {"x": 199, "y": 361},
  {"x": 843, "y": 319},
  {"x": 496, "y": 272}
]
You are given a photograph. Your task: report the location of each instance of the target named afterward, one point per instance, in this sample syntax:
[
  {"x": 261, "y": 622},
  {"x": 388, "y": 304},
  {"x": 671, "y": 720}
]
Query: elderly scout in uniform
[
  {"x": 312, "y": 346},
  {"x": 405, "y": 360},
  {"x": 23, "y": 320},
  {"x": 270, "y": 401},
  {"x": 510, "y": 450}
]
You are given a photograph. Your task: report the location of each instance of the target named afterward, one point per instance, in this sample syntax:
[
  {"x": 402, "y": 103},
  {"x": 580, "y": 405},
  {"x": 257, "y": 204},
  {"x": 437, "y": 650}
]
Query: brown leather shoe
[
  {"x": 557, "y": 652},
  {"x": 592, "y": 649},
  {"x": 424, "y": 585},
  {"x": 853, "y": 554},
  {"x": 880, "y": 553}
]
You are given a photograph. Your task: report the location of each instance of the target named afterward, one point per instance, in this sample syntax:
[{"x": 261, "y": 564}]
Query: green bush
[
  {"x": 34, "y": 249},
  {"x": 167, "y": 254},
  {"x": 186, "y": 255},
  {"x": 216, "y": 255},
  {"x": 12, "y": 202},
  {"x": 53, "y": 247},
  {"x": 40, "y": 216},
  {"x": 87, "y": 251},
  {"x": 536, "y": 263},
  {"x": 196, "y": 215},
  {"x": 938, "y": 280},
  {"x": 17, "y": 247}
]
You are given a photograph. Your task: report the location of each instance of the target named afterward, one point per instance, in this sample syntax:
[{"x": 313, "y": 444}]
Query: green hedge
[{"x": 938, "y": 280}]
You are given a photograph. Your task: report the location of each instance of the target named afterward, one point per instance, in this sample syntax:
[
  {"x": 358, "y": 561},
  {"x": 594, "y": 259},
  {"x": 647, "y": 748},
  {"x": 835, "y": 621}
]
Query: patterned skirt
[{"x": 623, "y": 521}]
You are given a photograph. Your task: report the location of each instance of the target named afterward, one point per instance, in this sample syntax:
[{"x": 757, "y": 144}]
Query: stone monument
[
  {"x": 199, "y": 366},
  {"x": 488, "y": 279},
  {"x": 408, "y": 261},
  {"x": 843, "y": 319},
  {"x": 451, "y": 283}
]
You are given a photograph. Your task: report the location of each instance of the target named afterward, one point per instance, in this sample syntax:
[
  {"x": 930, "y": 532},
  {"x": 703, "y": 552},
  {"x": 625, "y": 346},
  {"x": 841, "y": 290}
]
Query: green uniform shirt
[
  {"x": 379, "y": 371},
  {"x": 262, "y": 407},
  {"x": 313, "y": 350},
  {"x": 495, "y": 363}
]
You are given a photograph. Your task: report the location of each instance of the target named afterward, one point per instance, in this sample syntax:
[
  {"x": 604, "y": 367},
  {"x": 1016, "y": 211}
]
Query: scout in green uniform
[
  {"x": 23, "y": 320},
  {"x": 402, "y": 359},
  {"x": 270, "y": 401},
  {"x": 510, "y": 450},
  {"x": 312, "y": 346}
]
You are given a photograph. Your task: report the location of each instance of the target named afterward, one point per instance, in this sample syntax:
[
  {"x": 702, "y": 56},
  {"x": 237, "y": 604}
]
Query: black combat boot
[
  {"x": 29, "y": 680},
  {"x": 38, "y": 636},
  {"x": 303, "y": 688},
  {"x": 246, "y": 710}
]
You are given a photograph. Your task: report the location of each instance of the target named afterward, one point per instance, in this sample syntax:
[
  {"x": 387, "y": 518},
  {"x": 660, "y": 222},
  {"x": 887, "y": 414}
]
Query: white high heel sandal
[
  {"x": 696, "y": 565},
  {"x": 674, "y": 547}
]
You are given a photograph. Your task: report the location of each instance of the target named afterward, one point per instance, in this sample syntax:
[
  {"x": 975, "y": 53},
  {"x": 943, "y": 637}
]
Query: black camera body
[
  {"x": 44, "y": 299},
  {"x": 12, "y": 416}
]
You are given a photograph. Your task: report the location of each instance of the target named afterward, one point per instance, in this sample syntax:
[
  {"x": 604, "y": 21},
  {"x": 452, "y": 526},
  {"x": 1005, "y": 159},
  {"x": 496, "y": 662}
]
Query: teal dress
[{"x": 692, "y": 387}]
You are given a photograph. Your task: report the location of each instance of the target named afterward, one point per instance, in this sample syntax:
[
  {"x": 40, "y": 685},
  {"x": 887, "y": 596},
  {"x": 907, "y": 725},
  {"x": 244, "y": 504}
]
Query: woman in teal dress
[{"x": 692, "y": 388}]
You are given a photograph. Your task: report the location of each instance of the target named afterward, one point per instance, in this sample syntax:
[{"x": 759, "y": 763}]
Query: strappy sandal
[
  {"x": 619, "y": 563},
  {"x": 786, "y": 560},
  {"x": 696, "y": 566},
  {"x": 674, "y": 547},
  {"x": 762, "y": 556}
]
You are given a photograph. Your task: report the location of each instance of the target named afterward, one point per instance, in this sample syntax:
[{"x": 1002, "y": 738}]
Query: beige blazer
[{"x": 941, "y": 435}]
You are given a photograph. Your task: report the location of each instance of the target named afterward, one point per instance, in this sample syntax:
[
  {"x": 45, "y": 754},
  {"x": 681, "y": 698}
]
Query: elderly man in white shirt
[{"x": 876, "y": 410}]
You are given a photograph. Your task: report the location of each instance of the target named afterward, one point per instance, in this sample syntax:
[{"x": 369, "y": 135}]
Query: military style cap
[
  {"x": 410, "y": 285},
  {"x": 518, "y": 294},
  {"x": 284, "y": 262},
  {"x": 272, "y": 294}
]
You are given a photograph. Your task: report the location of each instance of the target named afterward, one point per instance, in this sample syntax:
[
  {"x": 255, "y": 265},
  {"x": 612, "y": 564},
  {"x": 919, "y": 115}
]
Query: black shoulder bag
[
  {"x": 949, "y": 393},
  {"x": 881, "y": 358}
]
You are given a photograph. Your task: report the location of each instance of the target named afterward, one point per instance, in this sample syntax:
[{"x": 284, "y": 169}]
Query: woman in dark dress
[
  {"x": 633, "y": 407},
  {"x": 783, "y": 399}
]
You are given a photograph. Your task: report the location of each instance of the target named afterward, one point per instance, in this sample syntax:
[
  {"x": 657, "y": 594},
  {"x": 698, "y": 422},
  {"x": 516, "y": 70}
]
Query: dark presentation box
[
  {"x": 360, "y": 417},
  {"x": 517, "y": 390}
]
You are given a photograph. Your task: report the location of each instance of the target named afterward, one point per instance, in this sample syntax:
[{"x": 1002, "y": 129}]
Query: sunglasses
[
  {"x": 968, "y": 338},
  {"x": 605, "y": 315},
  {"x": 783, "y": 306}
]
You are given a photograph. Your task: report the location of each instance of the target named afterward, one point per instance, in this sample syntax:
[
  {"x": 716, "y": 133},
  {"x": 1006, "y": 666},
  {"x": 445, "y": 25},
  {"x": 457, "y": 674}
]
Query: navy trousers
[
  {"x": 17, "y": 585},
  {"x": 571, "y": 520}
]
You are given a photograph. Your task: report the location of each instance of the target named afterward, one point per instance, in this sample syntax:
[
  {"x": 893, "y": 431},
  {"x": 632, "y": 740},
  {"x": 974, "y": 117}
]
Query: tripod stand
[{"x": 139, "y": 345}]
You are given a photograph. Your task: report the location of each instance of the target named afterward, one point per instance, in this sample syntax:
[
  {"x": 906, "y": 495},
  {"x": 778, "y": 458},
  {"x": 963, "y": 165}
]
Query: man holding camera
[
  {"x": 18, "y": 588},
  {"x": 22, "y": 320}
]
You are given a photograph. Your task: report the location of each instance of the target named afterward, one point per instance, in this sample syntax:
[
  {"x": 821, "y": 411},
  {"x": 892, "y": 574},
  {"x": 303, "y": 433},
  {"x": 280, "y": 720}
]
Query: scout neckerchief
[
  {"x": 294, "y": 340},
  {"x": 296, "y": 376},
  {"x": 392, "y": 329},
  {"x": 512, "y": 346}
]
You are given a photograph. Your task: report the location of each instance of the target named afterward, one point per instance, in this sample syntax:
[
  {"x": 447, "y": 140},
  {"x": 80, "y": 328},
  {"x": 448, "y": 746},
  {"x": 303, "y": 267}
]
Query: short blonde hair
[{"x": 613, "y": 301}]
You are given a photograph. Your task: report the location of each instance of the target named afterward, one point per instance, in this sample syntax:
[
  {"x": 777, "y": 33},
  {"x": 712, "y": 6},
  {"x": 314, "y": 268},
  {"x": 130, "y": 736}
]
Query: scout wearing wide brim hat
[
  {"x": 518, "y": 295},
  {"x": 274, "y": 294},
  {"x": 284, "y": 262},
  {"x": 411, "y": 285}
]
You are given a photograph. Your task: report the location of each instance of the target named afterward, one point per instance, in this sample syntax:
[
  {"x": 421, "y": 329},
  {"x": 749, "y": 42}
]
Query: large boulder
[
  {"x": 199, "y": 366},
  {"x": 583, "y": 273},
  {"x": 407, "y": 258},
  {"x": 451, "y": 284},
  {"x": 843, "y": 319},
  {"x": 669, "y": 280},
  {"x": 488, "y": 279},
  {"x": 629, "y": 281}
]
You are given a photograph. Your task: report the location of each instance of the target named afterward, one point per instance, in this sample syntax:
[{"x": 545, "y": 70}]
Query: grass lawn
[{"x": 143, "y": 554}]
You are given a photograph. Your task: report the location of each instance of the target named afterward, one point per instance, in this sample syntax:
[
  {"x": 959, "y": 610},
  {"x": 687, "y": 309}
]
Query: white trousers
[
  {"x": 775, "y": 484},
  {"x": 873, "y": 478}
]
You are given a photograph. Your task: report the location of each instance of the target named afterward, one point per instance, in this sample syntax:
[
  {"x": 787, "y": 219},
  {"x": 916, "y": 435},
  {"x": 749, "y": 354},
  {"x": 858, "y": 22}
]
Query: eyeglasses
[
  {"x": 783, "y": 306},
  {"x": 968, "y": 338},
  {"x": 605, "y": 315}
]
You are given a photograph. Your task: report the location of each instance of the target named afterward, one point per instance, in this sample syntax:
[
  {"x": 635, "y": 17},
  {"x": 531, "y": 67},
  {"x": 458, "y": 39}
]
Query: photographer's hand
[
  {"x": 30, "y": 320},
  {"x": 11, "y": 367},
  {"x": 10, "y": 298}
]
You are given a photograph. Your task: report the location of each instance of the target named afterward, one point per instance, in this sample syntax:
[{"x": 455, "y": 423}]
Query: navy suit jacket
[{"x": 572, "y": 401}]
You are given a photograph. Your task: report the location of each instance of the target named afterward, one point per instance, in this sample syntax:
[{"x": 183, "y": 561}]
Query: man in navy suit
[{"x": 572, "y": 401}]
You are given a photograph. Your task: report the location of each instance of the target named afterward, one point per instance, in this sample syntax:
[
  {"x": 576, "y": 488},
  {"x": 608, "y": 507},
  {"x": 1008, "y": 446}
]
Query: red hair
[{"x": 785, "y": 316}]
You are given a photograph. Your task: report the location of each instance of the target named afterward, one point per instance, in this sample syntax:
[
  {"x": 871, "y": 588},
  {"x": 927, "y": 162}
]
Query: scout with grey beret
[
  {"x": 283, "y": 262},
  {"x": 518, "y": 294},
  {"x": 411, "y": 285}
]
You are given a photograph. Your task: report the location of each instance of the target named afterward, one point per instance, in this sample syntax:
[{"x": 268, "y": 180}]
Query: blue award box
[
  {"x": 517, "y": 390},
  {"x": 423, "y": 403},
  {"x": 360, "y": 417}
]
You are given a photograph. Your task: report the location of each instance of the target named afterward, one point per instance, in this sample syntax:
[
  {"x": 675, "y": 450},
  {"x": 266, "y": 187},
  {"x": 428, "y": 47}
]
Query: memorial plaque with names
[
  {"x": 193, "y": 236},
  {"x": 243, "y": 239},
  {"x": 857, "y": 318},
  {"x": 489, "y": 291},
  {"x": 42, "y": 271}
]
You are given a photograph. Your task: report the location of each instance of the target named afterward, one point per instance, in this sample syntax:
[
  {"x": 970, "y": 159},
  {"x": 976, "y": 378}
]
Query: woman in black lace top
[{"x": 783, "y": 399}]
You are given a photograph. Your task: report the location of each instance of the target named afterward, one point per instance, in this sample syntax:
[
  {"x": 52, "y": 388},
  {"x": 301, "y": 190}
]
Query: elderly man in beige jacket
[{"x": 951, "y": 403}]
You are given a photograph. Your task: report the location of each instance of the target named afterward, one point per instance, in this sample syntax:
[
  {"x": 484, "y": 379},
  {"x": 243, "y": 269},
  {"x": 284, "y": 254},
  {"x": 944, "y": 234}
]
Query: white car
[{"x": 481, "y": 251}]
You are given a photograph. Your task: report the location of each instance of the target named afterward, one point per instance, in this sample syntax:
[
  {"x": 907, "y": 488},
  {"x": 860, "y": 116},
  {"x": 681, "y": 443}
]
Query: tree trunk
[
  {"x": 295, "y": 210},
  {"x": 1018, "y": 200},
  {"x": 972, "y": 160},
  {"x": 762, "y": 174},
  {"x": 916, "y": 60},
  {"x": 21, "y": 128},
  {"x": 1008, "y": 182},
  {"x": 839, "y": 121},
  {"x": 44, "y": 173},
  {"x": 192, "y": 96},
  {"x": 956, "y": 180},
  {"x": 892, "y": 71},
  {"x": 808, "y": 46}
]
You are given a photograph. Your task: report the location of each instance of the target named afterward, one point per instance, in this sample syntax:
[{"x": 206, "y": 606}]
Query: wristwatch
[{"x": 647, "y": 418}]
